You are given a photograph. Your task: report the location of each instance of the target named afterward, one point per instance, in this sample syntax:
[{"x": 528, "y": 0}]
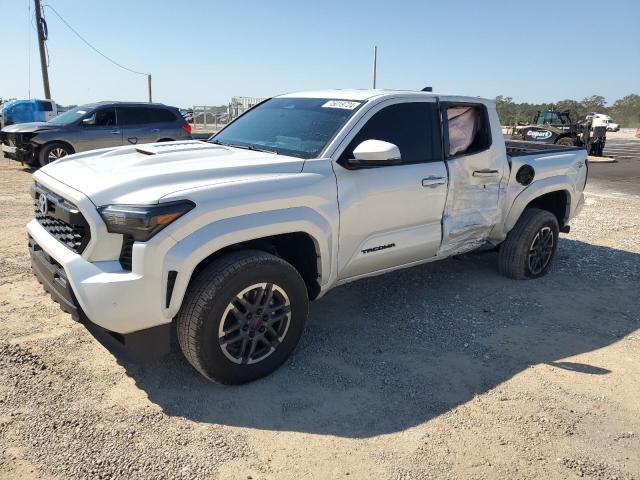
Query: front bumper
[
  {"x": 21, "y": 154},
  {"x": 100, "y": 292},
  {"x": 144, "y": 344},
  {"x": 54, "y": 280}
]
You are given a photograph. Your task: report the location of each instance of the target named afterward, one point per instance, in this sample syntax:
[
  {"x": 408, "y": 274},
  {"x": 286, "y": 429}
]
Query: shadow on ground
[{"x": 388, "y": 353}]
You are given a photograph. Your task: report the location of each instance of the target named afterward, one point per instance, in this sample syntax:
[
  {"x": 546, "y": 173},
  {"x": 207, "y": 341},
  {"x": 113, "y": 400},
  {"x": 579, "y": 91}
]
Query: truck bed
[{"x": 517, "y": 148}]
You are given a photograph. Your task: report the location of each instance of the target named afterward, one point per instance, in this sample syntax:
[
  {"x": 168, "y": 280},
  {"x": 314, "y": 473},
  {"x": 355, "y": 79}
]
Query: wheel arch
[
  {"x": 305, "y": 242},
  {"x": 557, "y": 202},
  {"x": 62, "y": 142},
  {"x": 552, "y": 194},
  {"x": 297, "y": 248}
]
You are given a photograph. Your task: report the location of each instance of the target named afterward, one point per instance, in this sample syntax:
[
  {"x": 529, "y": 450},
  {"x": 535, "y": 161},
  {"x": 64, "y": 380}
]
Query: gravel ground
[{"x": 442, "y": 371}]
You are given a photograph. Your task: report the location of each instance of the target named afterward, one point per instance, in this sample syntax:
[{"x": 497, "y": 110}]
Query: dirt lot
[{"x": 442, "y": 371}]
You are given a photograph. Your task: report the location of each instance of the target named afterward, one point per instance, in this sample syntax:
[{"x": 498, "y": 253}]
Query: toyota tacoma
[{"x": 229, "y": 240}]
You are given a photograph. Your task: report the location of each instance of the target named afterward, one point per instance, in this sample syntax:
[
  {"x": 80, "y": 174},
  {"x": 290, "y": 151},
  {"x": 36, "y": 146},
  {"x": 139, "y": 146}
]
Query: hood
[
  {"x": 29, "y": 127},
  {"x": 145, "y": 173}
]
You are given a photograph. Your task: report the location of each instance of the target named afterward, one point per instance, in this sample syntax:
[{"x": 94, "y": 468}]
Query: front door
[
  {"x": 391, "y": 215},
  {"x": 99, "y": 129}
]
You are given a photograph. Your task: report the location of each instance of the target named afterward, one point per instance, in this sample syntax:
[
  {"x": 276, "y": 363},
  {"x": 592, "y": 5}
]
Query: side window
[
  {"x": 161, "y": 115},
  {"x": 105, "y": 117},
  {"x": 413, "y": 127},
  {"x": 133, "y": 115},
  {"x": 468, "y": 129},
  {"x": 44, "y": 106}
]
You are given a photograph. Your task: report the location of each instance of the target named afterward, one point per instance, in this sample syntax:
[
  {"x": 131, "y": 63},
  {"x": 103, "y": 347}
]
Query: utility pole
[
  {"x": 149, "y": 87},
  {"x": 375, "y": 59},
  {"x": 41, "y": 24}
]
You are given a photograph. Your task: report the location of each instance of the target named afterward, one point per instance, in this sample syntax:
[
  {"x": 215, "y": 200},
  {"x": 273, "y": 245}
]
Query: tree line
[{"x": 625, "y": 111}]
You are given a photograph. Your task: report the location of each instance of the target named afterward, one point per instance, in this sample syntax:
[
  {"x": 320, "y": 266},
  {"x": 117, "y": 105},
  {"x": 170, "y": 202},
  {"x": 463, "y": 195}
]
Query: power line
[{"x": 91, "y": 46}]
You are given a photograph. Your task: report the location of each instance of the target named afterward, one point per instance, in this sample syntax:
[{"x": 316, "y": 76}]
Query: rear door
[
  {"x": 147, "y": 124},
  {"x": 391, "y": 215},
  {"x": 99, "y": 129},
  {"x": 476, "y": 170}
]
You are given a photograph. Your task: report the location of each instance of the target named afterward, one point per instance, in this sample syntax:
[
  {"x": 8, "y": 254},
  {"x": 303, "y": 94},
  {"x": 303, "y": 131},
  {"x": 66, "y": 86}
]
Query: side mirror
[
  {"x": 87, "y": 122},
  {"x": 375, "y": 153}
]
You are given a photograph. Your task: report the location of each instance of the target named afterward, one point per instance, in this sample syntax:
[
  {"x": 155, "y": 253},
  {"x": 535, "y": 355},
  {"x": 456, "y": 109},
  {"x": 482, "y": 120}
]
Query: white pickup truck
[{"x": 230, "y": 239}]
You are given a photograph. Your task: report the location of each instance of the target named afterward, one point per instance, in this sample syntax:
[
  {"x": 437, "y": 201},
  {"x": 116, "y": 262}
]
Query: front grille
[{"x": 61, "y": 218}]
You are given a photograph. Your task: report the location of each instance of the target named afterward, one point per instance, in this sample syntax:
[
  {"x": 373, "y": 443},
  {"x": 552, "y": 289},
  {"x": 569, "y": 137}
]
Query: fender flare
[
  {"x": 535, "y": 190},
  {"x": 190, "y": 251}
]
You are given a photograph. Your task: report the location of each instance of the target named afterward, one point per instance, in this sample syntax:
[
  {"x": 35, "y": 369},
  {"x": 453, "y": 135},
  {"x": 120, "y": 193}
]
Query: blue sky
[{"x": 204, "y": 52}]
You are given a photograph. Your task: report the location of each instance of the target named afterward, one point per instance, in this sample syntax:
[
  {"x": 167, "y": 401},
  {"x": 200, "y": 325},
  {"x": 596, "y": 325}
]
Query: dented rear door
[{"x": 477, "y": 167}]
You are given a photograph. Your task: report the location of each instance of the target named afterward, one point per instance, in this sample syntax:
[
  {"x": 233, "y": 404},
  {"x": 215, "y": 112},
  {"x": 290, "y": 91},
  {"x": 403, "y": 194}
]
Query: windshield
[
  {"x": 69, "y": 116},
  {"x": 300, "y": 127}
]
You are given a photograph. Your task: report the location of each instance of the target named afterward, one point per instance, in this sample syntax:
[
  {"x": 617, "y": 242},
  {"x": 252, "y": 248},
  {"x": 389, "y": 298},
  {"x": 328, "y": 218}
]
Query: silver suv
[{"x": 93, "y": 126}]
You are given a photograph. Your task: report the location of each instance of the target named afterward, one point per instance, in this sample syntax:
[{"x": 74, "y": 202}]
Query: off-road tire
[
  {"x": 565, "y": 142},
  {"x": 209, "y": 295},
  {"x": 43, "y": 156},
  {"x": 513, "y": 254}
]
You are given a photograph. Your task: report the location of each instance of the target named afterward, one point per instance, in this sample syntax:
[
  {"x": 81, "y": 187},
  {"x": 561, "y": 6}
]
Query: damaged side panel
[
  {"x": 478, "y": 176},
  {"x": 471, "y": 208}
]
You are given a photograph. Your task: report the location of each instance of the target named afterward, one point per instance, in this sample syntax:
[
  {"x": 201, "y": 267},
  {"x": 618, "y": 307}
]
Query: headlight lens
[{"x": 144, "y": 221}]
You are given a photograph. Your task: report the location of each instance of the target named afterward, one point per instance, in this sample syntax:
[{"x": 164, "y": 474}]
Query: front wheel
[
  {"x": 52, "y": 152},
  {"x": 529, "y": 248},
  {"x": 242, "y": 316}
]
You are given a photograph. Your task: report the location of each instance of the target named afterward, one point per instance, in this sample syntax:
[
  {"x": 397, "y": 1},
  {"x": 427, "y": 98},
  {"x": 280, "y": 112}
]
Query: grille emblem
[{"x": 43, "y": 204}]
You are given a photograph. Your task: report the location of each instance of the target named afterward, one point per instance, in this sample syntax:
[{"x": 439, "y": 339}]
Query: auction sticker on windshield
[{"x": 344, "y": 104}]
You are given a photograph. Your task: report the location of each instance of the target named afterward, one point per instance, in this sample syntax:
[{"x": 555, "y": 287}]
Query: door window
[
  {"x": 105, "y": 117},
  {"x": 413, "y": 127},
  {"x": 133, "y": 116},
  {"x": 468, "y": 129}
]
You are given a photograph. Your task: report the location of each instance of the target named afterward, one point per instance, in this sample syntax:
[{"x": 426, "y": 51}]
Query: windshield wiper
[{"x": 244, "y": 147}]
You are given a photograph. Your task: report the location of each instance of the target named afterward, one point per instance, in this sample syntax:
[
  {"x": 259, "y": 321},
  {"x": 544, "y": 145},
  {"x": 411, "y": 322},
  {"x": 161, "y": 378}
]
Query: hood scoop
[{"x": 172, "y": 147}]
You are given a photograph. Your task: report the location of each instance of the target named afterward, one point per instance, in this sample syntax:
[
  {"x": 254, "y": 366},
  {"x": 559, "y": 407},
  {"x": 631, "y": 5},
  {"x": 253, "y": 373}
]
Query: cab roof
[
  {"x": 368, "y": 94},
  {"x": 129, "y": 104}
]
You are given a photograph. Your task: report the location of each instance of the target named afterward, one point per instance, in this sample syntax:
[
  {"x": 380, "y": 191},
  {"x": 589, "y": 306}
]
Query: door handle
[
  {"x": 155, "y": 130},
  {"x": 115, "y": 132},
  {"x": 433, "y": 181},
  {"x": 485, "y": 173}
]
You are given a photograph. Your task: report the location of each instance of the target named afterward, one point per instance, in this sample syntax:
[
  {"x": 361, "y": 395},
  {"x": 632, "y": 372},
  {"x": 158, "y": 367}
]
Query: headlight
[{"x": 143, "y": 222}]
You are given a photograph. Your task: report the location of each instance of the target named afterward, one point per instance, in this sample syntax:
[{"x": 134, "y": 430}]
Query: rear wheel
[
  {"x": 529, "y": 248},
  {"x": 242, "y": 317},
  {"x": 52, "y": 152}
]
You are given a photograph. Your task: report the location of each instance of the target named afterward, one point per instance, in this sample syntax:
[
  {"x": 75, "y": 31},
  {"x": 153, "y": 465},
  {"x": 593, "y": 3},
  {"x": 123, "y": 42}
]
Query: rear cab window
[{"x": 45, "y": 106}]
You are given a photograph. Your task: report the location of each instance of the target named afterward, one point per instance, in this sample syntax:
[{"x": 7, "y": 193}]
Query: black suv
[{"x": 92, "y": 126}]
